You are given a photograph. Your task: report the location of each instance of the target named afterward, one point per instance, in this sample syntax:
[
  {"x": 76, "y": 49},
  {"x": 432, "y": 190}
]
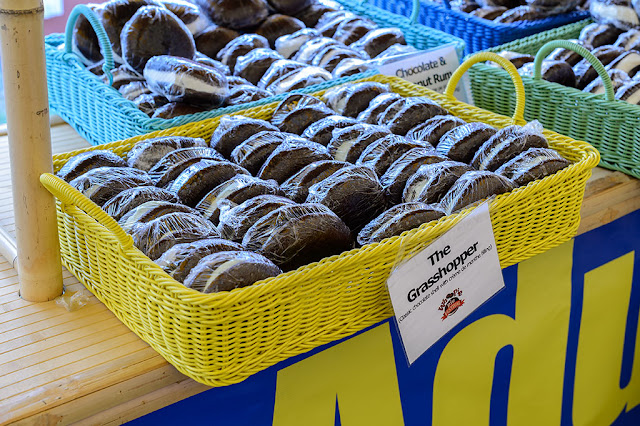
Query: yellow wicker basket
[{"x": 221, "y": 339}]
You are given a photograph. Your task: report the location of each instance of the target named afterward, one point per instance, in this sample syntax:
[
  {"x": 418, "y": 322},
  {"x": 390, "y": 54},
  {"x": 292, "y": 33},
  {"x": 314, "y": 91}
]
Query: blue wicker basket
[
  {"x": 100, "y": 114},
  {"x": 477, "y": 33}
]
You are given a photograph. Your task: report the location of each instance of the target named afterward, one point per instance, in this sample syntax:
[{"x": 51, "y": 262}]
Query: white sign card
[
  {"x": 440, "y": 286},
  {"x": 429, "y": 68}
]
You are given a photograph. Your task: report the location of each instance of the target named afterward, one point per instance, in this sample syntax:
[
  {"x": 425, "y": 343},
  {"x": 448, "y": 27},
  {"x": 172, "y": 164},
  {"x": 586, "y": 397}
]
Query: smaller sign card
[
  {"x": 429, "y": 68},
  {"x": 440, "y": 286}
]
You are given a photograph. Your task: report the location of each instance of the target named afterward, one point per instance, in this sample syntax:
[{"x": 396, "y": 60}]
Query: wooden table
[{"x": 60, "y": 367}]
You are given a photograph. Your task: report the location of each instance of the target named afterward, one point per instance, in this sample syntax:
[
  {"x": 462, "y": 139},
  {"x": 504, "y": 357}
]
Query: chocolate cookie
[
  {"x": 149, "y": 211},
  {"x": 297, "y": 120},
  {"x": 377, "y": 41},
  {"x": 165, "y": 170},
  {"x": 618, "y": 13},
  {"x": 520, "y": 13},
  {"x": 180, "y": 259},
  {"x": 235, "y": 222},
  {"x": 201, "y": 177},
  {"x": 134, "y": 89},
  {"x": 553, "y": 71},
  {"x": 629, "y": 92},
  {"x": 154, "y": 31},
  {"x": 144, "y": 155},
  {"x": 103, "y": 183},
  {"x": 462, "y": 142},
  {"x": 586, "y": 73},
  {"x": 240, "y": 95},
  {"x": 533, "y": 164},
  {"x": 350, "y": 66},
  {"x": 516, "y": 58},
  {"x": 299, "y": 79},
  {"x": 290, "y": 7},
  {"x": 490, "y": 12},
  {"x": 296, "y": 235},
  {"x": 568, "y": 56},
  {"x": 176, "y": 109},
  {"x": 297, "y": 186},
  {"x": 240, "y": 46},
  {"x": 278, "y": 25},
  {"x": 129, "y": 199},
  {"x": 628, "y": 62},
  {"x": 397, "y": 220},
  {"x": 148, "y": 103},
  {"x": 629, "y": 40},
  {"x": 84, "y": 40},
  {"x": 254, "y": 64},
  {"x": 287, "y": 45},
  {"x": 348, "y": 144},
  {"x": 351, "y": 31},
  {"x": 309, "y": 49},
  {"x": 252, "y": 153},
  {"x": 290, "y": 157},
  {"x": 213, "y": 39},
  {"x": 350, "y": 100},
  {"x": 235, "y": 14},
  {"x": 596, "y": 35},
  {"x": 472, "y": 187},
  {"x": 277, "y": 70},
  {"x": 353, "y": 193},
  {"x": 312, "y": 14},
  {"x": 432, "y": 181},
  {"x": 506, "y": 144},
  {"x": 82, "y": 163},
  {"x": 377, "y": 106},
  {"x": 379, "y": 155},
  {"x": 321, "y": 131},
  {"x": 121, "y": 76},
  {"x": 190, "y": 14},
  {"x": 329, "y": 57},
  {"x": 432, "y": 130},
  {"x": 232, "y": 130},
  {"x": 412, "y": 112}
]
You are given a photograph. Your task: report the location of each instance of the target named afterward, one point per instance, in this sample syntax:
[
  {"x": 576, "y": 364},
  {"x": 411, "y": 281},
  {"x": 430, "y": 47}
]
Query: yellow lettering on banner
[
  {"x": 598, "y": 399},
  {"x": 360, "y": 372},
  {"x": 538, "y": 335}
]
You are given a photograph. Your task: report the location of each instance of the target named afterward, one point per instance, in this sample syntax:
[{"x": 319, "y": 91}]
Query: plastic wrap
[
  {"x": 217, "y": 65},
  {"x": 348, "y": 144},
  {"x": 188, "y": 13},
  {"x": 252, "y": 153},
  {"x": 309, "y": 49},
  {"x": 148, "y": 103},
  {"x": 472, "y": 187},
  {"x": 233, "y": 192},
  {"x": 519, "y": 59},
  {"x": 82, "y": 163},
  {"x": 240, "y": 95},
  {"x": 129, "y": 199},
  {"x": 586, "y": 73},
  {"x": 154, "y": 31},
  {"x": 73, "y": 300},
  {"x": 226, "y": 270},
  {"x": 432, "y": 181},
  {"x": 636, "y": 6},
  {"x": 172, "y": 164},
  {"x": 144, "y": 155},
  {"x": 84, "y": 40},
  {"x": 199, "y": 178},
  {"x": 297, "y": 186},
  {"x": 352, "y": 99},
  {"x": 184, "y": 80},
  {"x": 596, "y": 35},
  {"x": 351, "y": 31},
  {"x": 329, "y": 57},
  {"x": 176, "y": 109},
  {"x": 377, "y": 41},
  {"x": 236, "y": 81},
  {"x": 213, "y": 39},
  {"x": 278, "y": 25},
  {"x": 287, "y": 45},
  {"x": 508, "y": 143},
  {"x": 619, "y": 13},
  {"x": 553, "y": 71},
  {"x": 292, "y": 102},
  {"x": 413, "y": 112},
  {"x": 321, "y": 131},
  {"x": 290, "y": 157},
  {"x": 114, "y": 15},
  {"x": 499, "y": 3},
  {"x": 254, "y": 64},
  {"x": 240, "y": 46},
  {"x": 296, "y": 235},
  {"x": 397, "y": 220},
  {"x": 395, "y": 178},
  {"x": 299, "y": 79},
  {"x": 629, "y": 40},
  {"x": 290, "y": 7},
  {"x": 629, "y": 92},
  {"x": 350, "y": 66},
  {"x": 432, "y": 130},
  {"x": 232, "y": 130},
  {"x": 157, "y": 236},
  {"x": 618, "y": 79},
  {"x": 235, "y": 14},
  {"x": 121, "y": 76},
  {"x": 392, "y": 51},
  {"x": 380, "y": 154},
  {"x": 520, "y": 13},
  {"x": 300, "y": 118},
  {"x": 462, "y": 142},
  {"x": 377, "y": 106},
  {"x": 312, "y": 14},
  {"x": 489, "y": 12},
  {"x": 554, "y": 7},
  {"x": 96, "y": 67},
  {"x": 278, "y": 69},
  {"x": 103, "y": 183},
  {"x": 329, "y": 22},
  {"x": 353, "y": 193},
  {"x": 181, "y": 258},
  {"x": 134, "y": 89},
  {"x": 148, "y": 211},
  {"x": 533, "y": 164},
  {"x": 629, "y": 62},
  {"x": 235, "y": 222}
]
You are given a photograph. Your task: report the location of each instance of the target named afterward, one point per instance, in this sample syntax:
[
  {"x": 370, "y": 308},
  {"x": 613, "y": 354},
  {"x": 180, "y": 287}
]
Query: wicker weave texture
[
  {"x": 613, "y": 127},
  {"x": 100, "y": 114},
  {"x": 220, "y": 339},
  {"x": 478, "y": 34}
]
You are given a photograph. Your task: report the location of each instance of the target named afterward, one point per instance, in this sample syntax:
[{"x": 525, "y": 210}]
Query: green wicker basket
[{"x": 612, "y": 126}]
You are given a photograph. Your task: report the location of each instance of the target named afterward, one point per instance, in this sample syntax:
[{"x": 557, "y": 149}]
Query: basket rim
[{"x": 589, "y": 159}]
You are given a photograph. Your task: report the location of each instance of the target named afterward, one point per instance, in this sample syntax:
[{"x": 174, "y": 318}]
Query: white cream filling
[
  {"x": 223, "y": 195},
  {"x": 634, "y": 98},
  {"x": 343, "y": 150},
  {"x": 219, "y": 271},
  {"x": 414, "y": 192},
  {"x": 632, "y": 40},
  {"x": 198, "y": 25},
  {"x": 184, "y": 81},
  {"x": 287, "y": 47},
  {"x": 139, "y": 211},
  {"x": 620, "y": 13},
  {"x": 629, "y": 62}
]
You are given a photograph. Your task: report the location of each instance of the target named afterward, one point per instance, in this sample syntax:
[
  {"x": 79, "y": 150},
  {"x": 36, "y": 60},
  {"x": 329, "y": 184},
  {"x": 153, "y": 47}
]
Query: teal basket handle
[
  {"x": 105, "y": 44},
  {"x": 580, "y": 50},
  {"x": 415, "y": 11}
]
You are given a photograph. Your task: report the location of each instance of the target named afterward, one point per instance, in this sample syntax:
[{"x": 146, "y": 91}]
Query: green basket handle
[
  {"x": 580, "y": 50},
  {"x": 71, "y": 196},
  {"x": 103, "y": 40},
  {"x": 518, "y": 115},
  {"x": 415, "y": 11}
]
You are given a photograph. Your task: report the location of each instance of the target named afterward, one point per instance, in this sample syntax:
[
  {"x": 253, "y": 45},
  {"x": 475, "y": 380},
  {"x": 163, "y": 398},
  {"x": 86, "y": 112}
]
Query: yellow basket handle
[
  {"x": 518, "y": 115},
  {"x": 69, "y": 195}
]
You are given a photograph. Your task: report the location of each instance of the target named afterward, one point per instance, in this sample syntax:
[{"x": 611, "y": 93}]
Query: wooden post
[{"x": 27, "y": 105}]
